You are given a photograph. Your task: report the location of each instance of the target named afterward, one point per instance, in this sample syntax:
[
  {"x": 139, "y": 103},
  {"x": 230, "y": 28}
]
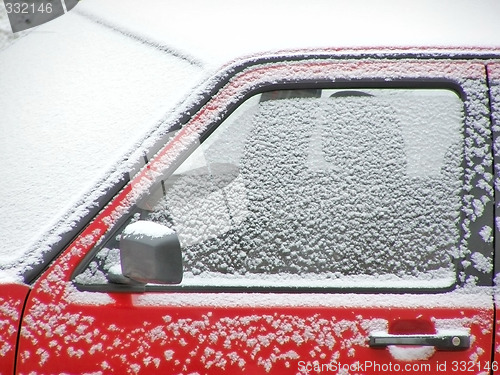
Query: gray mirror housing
[{"x": 151, "y": 253}]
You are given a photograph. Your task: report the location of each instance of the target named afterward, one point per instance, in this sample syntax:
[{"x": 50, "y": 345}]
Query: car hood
[{"x": 75, "y": 98}]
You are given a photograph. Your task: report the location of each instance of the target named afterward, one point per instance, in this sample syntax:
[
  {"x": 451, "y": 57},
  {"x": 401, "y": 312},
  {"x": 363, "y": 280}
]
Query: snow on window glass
[{"x": 320, "y": 188}]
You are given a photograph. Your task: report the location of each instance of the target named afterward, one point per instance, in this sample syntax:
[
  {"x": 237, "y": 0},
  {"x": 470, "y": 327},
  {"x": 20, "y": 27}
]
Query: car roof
[{"x": 80, "y": 93}]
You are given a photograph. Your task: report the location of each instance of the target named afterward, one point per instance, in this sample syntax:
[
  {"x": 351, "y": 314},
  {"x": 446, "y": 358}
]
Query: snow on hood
[
  {"x": 82, "y": 91},
  {"x": 75, "y": 97},
  {"x": 218, "y": 31}
]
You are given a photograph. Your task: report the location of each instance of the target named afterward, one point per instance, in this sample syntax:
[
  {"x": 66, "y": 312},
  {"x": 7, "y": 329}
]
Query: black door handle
[{"x": 439, "y": 341}]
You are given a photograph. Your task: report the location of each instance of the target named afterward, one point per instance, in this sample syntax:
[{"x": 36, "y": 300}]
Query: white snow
[
  {"x": 169, "y": 354},
  {"x": 441, "y": 278},
  {"x": 147, "y": 228},
  {"x": 218, "y": 31},
  {"x": 476, "y": 297},
  {"x": 411, "y": 354},
  {"x": 89, "y": 298},
  {"x": 71, "y": 108}
]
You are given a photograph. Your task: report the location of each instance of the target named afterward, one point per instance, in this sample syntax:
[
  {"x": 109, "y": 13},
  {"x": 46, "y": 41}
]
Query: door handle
[{"x": 450, "y": 342}]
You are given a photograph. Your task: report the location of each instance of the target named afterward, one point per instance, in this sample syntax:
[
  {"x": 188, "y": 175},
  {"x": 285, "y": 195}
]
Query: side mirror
[{"x": 151, "y": 253}]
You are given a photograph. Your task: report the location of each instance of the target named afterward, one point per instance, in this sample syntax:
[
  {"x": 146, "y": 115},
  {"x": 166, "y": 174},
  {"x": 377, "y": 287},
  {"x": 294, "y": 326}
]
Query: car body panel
[
  {"x": 144, "y": 334},
  {"x": 67, "y": 329},
  {"x": 12, "y": 298}
]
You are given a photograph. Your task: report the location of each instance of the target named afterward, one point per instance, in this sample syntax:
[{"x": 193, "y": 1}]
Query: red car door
[{"x": 323, "y": 225}]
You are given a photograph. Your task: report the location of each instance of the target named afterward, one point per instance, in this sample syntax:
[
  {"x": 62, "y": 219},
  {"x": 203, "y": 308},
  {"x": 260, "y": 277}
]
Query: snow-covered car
[{"x": 295, "y": 211}]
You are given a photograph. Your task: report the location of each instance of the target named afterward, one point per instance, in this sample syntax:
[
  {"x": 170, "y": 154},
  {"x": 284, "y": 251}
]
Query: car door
[{"x": 333, "y": 215}]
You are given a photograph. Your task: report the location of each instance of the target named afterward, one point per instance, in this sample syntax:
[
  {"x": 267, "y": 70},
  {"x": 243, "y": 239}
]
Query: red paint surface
[
  {"x": 12, "y": 297},
  {"x": 123, "y": 339}
]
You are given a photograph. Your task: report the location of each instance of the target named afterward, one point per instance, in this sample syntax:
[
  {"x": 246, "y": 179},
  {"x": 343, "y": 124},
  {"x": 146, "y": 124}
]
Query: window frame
[{"x": 286, "y": 84}]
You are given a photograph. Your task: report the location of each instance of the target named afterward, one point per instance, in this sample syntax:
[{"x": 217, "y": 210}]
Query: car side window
[{"x": 317, "y": 188}]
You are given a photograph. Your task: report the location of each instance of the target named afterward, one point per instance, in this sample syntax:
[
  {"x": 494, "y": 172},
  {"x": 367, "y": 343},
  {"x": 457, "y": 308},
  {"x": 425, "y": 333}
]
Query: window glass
[{"x": 318, "y": 188}]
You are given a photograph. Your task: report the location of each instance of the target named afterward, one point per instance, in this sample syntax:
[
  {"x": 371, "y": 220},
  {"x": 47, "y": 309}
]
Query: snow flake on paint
[
  {"x": 95, "y": 348},
  {"x": 43, "y": 356},
  {"x": 152, "y": 361},
  {"x": 135, "y": 368},
  {"x": 169, "y": 354},
  {"x": 75, "y": 352},
  {"x": 4, "y": 349}
]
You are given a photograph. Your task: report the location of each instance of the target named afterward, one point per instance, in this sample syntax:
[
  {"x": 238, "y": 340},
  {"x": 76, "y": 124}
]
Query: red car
[{"x": 309, "y": 211}]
